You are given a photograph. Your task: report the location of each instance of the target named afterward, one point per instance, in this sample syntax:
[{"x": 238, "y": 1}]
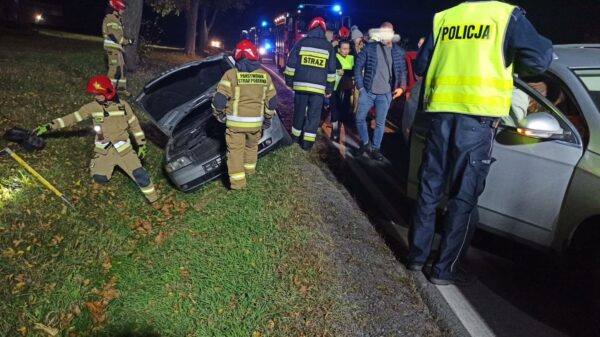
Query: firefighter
[
  {"x": 311, "y": 73},
  {"x": 245, "y": 101},
  {"x": 343, "y": 34},
  {"x": 114, "y": 40},
  {"x": 468, "y": 61},
  {"x": 113, "y": 119}
]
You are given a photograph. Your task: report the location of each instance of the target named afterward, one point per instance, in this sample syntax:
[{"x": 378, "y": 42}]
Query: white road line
[{"x": 467, "y": 315}]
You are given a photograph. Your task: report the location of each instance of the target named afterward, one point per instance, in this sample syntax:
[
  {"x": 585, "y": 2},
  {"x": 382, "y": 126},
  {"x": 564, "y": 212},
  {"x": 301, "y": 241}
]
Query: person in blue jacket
[{"x": 380, "y": 76}]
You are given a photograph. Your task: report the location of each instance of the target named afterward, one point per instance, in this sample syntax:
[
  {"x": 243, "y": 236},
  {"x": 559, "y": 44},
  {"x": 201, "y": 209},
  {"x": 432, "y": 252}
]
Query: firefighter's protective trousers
[{"x": 307, "y": 116}]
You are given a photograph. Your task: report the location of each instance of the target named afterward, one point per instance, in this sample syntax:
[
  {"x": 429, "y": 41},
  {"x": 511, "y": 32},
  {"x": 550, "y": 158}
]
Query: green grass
[{"x": 209, "y": 263}]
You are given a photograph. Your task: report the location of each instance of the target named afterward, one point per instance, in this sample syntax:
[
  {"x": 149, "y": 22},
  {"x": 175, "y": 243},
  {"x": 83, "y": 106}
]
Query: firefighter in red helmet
[
  {"x": 114, "y": 41},
  {"x": 310, "y": 71},
  {"x": 245, "y": 101},
  {"x": 113, "y": 120}
]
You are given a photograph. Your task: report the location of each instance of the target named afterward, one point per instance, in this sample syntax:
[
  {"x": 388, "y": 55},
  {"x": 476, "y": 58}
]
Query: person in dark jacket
[
  {"x": 310, "y": 72},
  {"x": 468, "y": 61},
  {"x": 380, "y": 75}
]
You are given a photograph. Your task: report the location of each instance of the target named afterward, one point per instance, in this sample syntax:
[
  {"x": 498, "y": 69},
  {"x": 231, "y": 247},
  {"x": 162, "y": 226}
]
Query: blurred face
[
  {"x": 100, "y": 98},
  {"x": 344, "y": 49},
  {"x": 388, "y": 29},
  {"x": 421, "y": 41}
]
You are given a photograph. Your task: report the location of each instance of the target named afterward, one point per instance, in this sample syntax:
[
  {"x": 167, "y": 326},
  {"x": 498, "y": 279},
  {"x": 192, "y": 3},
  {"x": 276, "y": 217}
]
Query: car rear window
[{"x": 591, "y": 80}]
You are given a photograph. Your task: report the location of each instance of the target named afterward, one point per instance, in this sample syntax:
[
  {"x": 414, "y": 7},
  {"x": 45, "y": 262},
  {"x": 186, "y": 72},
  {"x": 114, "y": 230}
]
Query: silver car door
[{"x": 527, "y": 182}]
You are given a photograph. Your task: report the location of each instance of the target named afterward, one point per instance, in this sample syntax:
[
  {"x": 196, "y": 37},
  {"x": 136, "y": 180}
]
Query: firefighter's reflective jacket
[
  {"x": 250, "y": 98},
  {"x": 112, "y": 124},
  {"x": 112, "y": 30},
  {"x": 311, "y": 66}
]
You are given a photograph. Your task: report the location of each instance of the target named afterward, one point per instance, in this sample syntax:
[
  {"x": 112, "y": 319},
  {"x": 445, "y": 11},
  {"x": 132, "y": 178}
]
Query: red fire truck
[{"x": 290, "y": 27}]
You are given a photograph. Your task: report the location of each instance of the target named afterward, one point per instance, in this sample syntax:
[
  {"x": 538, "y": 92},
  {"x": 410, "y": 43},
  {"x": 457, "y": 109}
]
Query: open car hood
[{"x": 174, "y": 94}]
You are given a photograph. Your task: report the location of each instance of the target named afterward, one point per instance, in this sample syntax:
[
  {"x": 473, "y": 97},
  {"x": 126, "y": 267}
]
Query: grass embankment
[{"x": 209, "y": 263}]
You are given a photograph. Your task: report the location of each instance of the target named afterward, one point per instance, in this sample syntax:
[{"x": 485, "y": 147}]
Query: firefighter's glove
[
  {"x": 220, "y": 115},
  {"x": 142, "y": 150},
  {"x": 266, "y": 124},
  {"x": 42, "y": 129}
]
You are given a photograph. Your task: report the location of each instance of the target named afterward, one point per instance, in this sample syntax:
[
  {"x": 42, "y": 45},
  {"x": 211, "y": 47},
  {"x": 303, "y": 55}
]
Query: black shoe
[
  {"x": 414, "y": 266},
  {"x": 376, "y": 155},
  {"x": 461, "y": 279},
  {"x": 363, "y": 149}
]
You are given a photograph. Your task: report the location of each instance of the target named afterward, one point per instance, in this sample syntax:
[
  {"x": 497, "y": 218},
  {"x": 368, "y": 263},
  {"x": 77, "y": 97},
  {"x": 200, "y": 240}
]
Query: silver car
[
  {"x": 179, "y": 103},
  {"x": 544, "y": 188}
]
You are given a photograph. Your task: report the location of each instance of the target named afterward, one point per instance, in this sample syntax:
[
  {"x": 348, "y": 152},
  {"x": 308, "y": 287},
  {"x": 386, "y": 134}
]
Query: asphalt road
[{"x": 520, "y": 292}]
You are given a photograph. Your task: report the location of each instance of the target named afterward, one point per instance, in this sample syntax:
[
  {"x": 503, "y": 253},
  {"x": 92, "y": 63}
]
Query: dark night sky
[{"x": 563, "y": 21}]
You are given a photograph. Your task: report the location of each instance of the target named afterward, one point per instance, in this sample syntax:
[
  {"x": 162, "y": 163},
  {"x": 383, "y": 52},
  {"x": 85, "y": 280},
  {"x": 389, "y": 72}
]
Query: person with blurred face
[{"x": 380, "y": 75}]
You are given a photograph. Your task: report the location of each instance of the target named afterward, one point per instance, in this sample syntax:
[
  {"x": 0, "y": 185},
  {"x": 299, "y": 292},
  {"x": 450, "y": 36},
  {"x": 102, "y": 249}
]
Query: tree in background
[
  {"x": 132, "y": 20},
  {"x": 191, "y": 10}
]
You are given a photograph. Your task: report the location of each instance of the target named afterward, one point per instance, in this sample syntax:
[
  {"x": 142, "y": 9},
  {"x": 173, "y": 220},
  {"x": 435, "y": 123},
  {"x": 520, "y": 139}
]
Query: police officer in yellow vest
[
  {"x": 468, "y": 61},
  {"x": 342, "y": 90},
  {"x": 245, "y": 100},
  {"x": 113, "y": 120},
  {"x": 114, "y": 40}
]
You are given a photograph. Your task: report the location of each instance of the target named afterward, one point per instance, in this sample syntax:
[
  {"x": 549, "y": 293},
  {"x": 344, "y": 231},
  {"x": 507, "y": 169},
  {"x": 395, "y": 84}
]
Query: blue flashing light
[
  {"x": 268, "y": 46},
  {"x": 337, "y": 8},
  {"x": 301, "y": 6},
  {"x": 264, "y": 23}
]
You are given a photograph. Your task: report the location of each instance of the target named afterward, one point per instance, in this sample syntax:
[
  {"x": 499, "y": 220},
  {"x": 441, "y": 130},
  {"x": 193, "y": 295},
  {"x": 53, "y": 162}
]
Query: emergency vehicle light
[{"x": 337, "y": 8}]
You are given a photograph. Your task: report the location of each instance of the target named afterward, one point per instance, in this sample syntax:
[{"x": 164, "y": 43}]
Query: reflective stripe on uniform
[
  {"x": 262, "y": 102},
  {"x": 245, "y": 119},
  {"x": 237, "y": 176},
  {"x": 147, "y": 190},
  {"x": 116, "y": 113},
  {"x": 97, "y": 114},
  {"x": 139, "y": 134},
  {"x": 101, "y": 145},
  {"x": 289, "y": 71},
  {"x": 122, "y": 145},
  {"x": 113, "y": 45},
  {"x": 236, "y": 101},
  {"x": 314, "y": 52},
  {"x": 131, "y": 120},
  {"x": 311, "y": 137},
  {"x": 296, "y": 132},
  {"x": 331, "y": 77},
  {"x": 225, "y": 83},
  {"x": 60, "y": 122},
  {"x": 250, "y": 166},
  {"x": 77, "y": 116},
  {"x": 114, "y": 25},
  {"x": 315, "y": 88},
  {"x": 271, "y": 87},
  {"x": 248, "y": 125}
]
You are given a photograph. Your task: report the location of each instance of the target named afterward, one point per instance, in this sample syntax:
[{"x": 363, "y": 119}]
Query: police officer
[
  {"x": 114, "y": 40},
  {"x": 113, "y": 119},
  {"x": 311, "y": 73},
  {"x": 245, "y": 100},
  {"x": 472, "y": 52}
]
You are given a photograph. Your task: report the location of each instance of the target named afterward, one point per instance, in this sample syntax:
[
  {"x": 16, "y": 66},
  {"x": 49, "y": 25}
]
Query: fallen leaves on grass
[
  {"x": 160, "y": 238},
  {"x": 143, "y": 227},
  {"x": 98, "y": 308},
  {"x": 184, "y": 273},
  {"x": 106, "y": 264},
  {"x": 49, "y": 331}
]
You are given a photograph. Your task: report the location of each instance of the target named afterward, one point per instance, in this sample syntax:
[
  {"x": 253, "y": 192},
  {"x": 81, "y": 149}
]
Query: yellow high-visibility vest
[
  {"x": 467, "y": 73},
  {"x": 347, "y": 64}
]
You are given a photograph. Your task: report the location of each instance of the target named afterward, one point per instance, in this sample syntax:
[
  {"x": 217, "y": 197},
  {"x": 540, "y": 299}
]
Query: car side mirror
[{"x": 540, "y": 125}]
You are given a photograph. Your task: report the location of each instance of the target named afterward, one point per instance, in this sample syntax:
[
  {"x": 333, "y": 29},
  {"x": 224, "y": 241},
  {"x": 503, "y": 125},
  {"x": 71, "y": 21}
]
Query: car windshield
[{"x": 591, "y": 80}]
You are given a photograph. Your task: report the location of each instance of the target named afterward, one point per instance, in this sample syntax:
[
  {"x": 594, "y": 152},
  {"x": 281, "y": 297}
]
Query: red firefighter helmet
[
  {"x": 317, "y": 22},
  {"x": 118, "y": 5},
  {"x": 344, "y": 33},
  {"x": 101, "y": 85},
  {"x": 246, "y": 48}
]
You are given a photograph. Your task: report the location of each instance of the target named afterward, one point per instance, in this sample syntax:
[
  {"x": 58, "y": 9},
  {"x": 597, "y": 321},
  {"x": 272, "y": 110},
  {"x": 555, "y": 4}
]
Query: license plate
[{"x": 212, "y": 165}]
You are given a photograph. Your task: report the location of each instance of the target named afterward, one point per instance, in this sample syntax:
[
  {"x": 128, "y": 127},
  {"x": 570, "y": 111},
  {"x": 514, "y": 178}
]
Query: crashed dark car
[{"x": 179, "y": 103}]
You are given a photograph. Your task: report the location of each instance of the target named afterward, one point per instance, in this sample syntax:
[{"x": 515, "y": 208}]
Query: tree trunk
[
  {"x": 191, "y": 22},
  {"x": 206, "y": 27},
  {"x": 132, "y": 20}
]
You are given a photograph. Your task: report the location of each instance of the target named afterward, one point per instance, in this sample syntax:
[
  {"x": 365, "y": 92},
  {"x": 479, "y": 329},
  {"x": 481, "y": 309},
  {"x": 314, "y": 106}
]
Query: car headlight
[{"x": 178, "y": 163}]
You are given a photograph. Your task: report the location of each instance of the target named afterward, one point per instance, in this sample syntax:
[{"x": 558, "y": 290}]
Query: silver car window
[{"x": 591, "y": 81}]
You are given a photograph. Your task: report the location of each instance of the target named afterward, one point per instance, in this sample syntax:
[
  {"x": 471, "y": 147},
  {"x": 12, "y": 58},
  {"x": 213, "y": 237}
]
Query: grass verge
[{"x": 209, "y": 263}]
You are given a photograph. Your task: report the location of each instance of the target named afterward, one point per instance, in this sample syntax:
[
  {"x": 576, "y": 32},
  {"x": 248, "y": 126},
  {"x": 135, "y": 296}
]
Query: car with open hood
[{"x": 179, "y": 103}]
